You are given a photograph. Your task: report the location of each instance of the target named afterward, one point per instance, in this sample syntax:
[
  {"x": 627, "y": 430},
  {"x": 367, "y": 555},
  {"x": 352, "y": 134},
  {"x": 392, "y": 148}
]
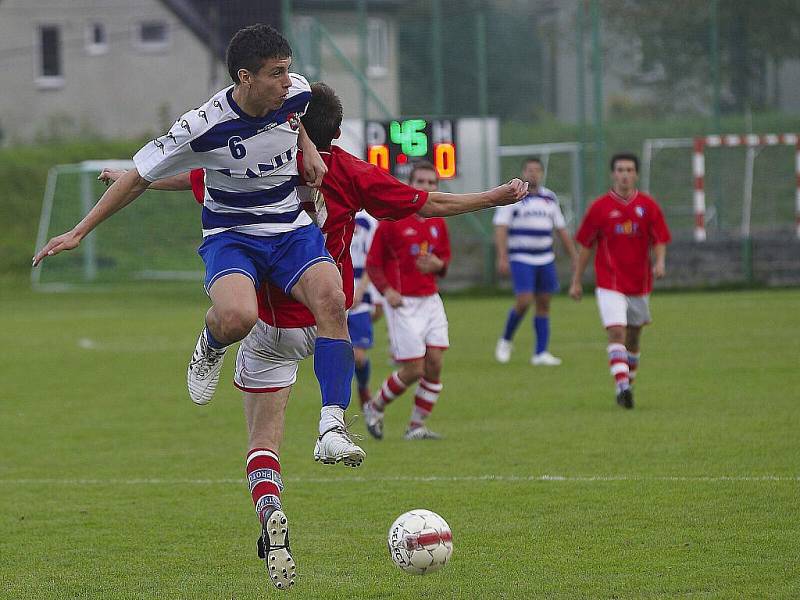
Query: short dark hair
[
  {"x": 531, "y": 159},
  {"x": 323, "y": 116},
  {"x": 422, "y": 165},
  {"x": 251, "y": 46},
  {"x": 625, "y": 156}
]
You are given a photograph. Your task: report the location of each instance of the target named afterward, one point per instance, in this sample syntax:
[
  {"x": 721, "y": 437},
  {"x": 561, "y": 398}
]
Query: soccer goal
[
  {"x": 569, "y": 180},
  {"x": 155, "y": 238},
  {"x": 753, "y": 146}
]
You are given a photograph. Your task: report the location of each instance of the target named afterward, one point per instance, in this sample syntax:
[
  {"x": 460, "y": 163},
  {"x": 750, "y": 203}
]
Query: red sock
[
  {"x": 424, "y": 401},
  {"x": 391, "y": 389},
  {"x": 264, "y": 477},
  {"x": 618, "y": 363}
]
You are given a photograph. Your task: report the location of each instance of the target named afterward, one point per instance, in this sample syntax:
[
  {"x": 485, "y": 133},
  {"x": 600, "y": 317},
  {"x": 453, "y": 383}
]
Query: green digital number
[{"x": 410, "y": 136}]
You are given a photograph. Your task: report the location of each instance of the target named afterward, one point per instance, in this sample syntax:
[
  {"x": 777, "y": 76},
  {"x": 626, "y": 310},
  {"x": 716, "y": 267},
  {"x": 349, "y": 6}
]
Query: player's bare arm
[
  {"x": 576, "y": 288},
  {"x": 176, "y": 183},
  {"x": 124, "y": 191},
  {"x": 441, "y": 204},
  {"x": 393, "y": 297},
  {"x": 569, "y": 245},
  {"x": 314, "y": 168},
  {"x": 659, "y": 267},
  {"x": 501, "y": 248},
  {"x": 360, "y": 289}
]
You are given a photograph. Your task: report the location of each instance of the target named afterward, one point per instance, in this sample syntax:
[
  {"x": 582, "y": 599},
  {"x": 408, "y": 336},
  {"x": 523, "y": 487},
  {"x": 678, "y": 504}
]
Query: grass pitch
[{"x": 113, "y": 485}]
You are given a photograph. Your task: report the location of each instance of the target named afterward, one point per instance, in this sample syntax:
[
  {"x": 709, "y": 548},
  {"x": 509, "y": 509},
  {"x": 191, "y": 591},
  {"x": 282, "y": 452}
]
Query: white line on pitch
[{"x": 432, "y": 478}]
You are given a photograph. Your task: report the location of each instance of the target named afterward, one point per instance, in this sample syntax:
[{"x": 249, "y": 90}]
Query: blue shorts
[
  {"x": 541, "y": 279},
  {"x": 281, "y": 258},
  {"x": 360, "y": 326}
]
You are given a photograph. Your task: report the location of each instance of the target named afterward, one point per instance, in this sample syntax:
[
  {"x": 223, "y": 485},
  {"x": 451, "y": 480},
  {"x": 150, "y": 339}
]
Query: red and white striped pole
[
  {"x": 797, "y": 188},
  {"x": 699, "y": 172}
]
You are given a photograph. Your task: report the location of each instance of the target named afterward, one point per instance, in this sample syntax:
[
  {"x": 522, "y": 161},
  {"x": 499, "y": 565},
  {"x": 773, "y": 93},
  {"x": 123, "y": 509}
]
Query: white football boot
[
  {"x": 373, "y": 418},
  {"x": 421, "y": 433},
  {"x": 545, "y": 359},
  {"x": 502, "y": 352},
  {"x": 203, "y": 373},
  {"x": 336, "y": 445}
]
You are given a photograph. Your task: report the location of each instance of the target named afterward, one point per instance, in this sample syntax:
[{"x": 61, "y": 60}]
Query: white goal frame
[{"x": 753, "y": 142}]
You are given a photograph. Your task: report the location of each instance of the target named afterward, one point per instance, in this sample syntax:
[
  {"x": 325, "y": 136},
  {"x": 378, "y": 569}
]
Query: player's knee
[
  {"x": 236, "y": 323},
  {"x": 329, "y": 306},
  {"x": 411, "y": 371}
]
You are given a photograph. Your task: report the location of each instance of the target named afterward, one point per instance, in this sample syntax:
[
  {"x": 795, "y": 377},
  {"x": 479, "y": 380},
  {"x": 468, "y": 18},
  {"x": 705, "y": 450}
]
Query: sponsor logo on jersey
[
  {"x": 614, "y": 213},
  {"x": 409, "y": 231},
  {"x": 267, "y": 127},
  {"x": 626, "y": 228}
]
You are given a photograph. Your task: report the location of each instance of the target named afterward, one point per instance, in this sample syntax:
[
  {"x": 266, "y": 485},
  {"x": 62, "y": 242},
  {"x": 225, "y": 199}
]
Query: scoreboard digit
[{"x": 395, "y": 145}]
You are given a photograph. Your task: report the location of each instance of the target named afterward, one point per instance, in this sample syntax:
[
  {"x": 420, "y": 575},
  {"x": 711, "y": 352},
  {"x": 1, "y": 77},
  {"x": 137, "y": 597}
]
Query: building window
[
  {"x": 50, "y": 69},
  {"x": 377, "y": 48},
  {"x": 152, "y": 35},
  {"x": 96, "y": 39}
]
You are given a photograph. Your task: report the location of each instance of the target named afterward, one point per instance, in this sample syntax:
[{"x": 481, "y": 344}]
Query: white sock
[{"x": 330, "y": 416}]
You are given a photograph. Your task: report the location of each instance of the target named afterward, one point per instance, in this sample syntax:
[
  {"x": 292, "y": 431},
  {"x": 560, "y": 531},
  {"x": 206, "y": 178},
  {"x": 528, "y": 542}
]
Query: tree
[{"x": 675, "y": 42}]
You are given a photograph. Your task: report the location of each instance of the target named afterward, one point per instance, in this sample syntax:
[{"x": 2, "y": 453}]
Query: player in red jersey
[
  {"x": 623, "y": 226},
  {"x": 404, "y": 262},
  {"x": 267, "y": 361}
]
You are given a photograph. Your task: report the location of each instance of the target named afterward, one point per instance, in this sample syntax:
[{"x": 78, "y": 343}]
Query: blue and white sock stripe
[
  {"x": 266, "y": 501},
  {"x": 617, "y": 352},
  {"x": 262, "y": 475}
]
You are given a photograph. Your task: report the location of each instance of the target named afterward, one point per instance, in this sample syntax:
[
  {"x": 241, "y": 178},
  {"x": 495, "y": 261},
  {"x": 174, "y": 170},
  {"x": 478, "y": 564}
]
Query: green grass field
[{"x": 113, "y": 485}]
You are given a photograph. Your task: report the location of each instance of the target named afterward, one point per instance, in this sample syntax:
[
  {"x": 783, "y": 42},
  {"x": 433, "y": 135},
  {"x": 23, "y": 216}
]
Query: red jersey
[
  {"x": 391, "y": 261},
  {"x": 624, "y": 230}
]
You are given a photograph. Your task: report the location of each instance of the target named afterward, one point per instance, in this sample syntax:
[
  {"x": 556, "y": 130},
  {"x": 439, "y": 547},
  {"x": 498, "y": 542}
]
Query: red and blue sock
[{"x": 618, "y": 364}]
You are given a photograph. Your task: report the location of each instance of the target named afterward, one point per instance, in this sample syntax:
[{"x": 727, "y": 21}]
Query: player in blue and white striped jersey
[
  {"x": 246, "y": 138},
  {"x": 359, "y": 317},
  {"x": 524, "y": 243}
]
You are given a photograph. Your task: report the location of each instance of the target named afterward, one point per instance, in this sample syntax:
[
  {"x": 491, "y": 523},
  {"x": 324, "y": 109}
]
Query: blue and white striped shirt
[
  {"x": 250, "y": 162},
  {"x": 530, "y": 225},
  {"x": 363, "y": 233}
]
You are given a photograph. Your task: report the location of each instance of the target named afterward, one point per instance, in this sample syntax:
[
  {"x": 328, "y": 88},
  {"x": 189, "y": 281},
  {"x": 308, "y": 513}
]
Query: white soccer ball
[{"x": 420, "y": 542}]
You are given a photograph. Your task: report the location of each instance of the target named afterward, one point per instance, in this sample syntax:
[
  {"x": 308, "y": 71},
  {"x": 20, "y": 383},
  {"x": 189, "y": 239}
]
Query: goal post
[
  {"x": 156, "y": 239},
  {"x": 753, "y": 143},
  {"x": 544, "y": 152}
]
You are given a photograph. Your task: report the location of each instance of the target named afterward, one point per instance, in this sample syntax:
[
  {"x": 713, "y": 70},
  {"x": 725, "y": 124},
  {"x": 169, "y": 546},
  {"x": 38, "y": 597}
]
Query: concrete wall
[
  {"x": 124, "y": 92},
  {"x": 343, "y": 28}
]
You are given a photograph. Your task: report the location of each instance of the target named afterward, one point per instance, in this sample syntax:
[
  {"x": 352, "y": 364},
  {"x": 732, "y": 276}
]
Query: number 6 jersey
[{"x": 250, "y": 162}]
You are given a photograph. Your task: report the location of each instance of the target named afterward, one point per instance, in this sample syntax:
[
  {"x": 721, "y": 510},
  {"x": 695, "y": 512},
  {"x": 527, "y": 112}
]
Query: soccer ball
[{"x": 420, "y": 542}]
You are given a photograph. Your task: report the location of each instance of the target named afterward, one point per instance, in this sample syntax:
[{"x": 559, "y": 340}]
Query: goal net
[{"x": 154, "y": 238}]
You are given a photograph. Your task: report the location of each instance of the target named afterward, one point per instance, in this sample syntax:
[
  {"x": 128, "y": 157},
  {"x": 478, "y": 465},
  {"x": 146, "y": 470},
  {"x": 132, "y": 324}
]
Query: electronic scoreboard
[{"x": 395, "y": 145}]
